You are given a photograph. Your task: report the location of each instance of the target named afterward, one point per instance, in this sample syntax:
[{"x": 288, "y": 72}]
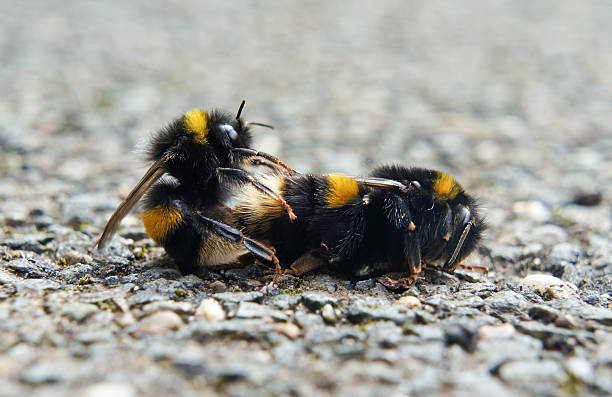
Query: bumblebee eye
[
  {"x": 230, "y": 131},
  {"x": 462, "y": 215},
  {"x": 415, "y": 184}
]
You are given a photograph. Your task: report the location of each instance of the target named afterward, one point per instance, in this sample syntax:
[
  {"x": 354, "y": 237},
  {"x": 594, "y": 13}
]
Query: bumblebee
[
  {"x": 196, "y": 161},
  {"x": 393, "y": 220}
]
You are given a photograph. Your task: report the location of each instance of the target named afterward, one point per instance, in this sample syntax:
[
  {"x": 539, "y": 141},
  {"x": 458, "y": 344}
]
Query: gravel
[{"x": 510, "y": 97}]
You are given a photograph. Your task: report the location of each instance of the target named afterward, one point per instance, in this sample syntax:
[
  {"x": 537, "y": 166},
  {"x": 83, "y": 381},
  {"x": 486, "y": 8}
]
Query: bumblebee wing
[
  {"x": 380, "y": 183},
  {"x": 152, "y": 174}
]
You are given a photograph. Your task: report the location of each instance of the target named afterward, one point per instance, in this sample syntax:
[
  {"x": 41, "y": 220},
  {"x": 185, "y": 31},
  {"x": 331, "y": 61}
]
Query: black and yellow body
[
  {"x": 196, "y": 161},
  {"x": 390, "y": 221}
]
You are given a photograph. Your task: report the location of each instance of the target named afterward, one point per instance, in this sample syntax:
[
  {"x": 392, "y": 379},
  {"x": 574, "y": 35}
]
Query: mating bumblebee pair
[{"x": 210, "y": 199}]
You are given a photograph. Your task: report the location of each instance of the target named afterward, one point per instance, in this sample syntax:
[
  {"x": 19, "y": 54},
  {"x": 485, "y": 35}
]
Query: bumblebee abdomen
[
  {"x": 257, "y": 211},
  {"x": 160, "y": 220},
  {"x": 340, "y": 189}
]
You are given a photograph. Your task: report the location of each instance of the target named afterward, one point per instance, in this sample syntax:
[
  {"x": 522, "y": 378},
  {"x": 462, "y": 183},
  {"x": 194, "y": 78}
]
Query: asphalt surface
[{"x": 512, "y": 98}]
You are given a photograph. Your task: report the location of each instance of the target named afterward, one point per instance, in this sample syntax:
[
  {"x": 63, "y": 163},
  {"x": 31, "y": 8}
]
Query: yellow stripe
[
  {"x": 340, "y": 189},
  {"x": 445, "y": 186},
  {"x": 196, "y": 124},
  {"x": 158, "y": 221}
]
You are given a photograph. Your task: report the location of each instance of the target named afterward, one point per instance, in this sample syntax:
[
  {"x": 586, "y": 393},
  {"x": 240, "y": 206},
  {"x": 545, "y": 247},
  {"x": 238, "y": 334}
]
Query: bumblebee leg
[
  {"x": 412, "y": 253},
  {"x": 410, "y": 263},
  {"x": 397, "y": 213},
  {"x": 254, "y": 153},
  {"x": 244, "y": 176},
  {"x": 472, "y": 267},
  {"x": 305, "y": 263},
  {"x": 259, "y": 250},
  {"x": 402, "y": 283}
]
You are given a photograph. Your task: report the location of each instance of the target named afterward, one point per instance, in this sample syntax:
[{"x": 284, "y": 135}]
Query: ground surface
[{"x": 511, "y": 97}]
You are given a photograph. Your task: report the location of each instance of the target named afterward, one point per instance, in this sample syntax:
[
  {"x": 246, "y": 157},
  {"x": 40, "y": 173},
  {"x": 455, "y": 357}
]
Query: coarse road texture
[{"x": 513, "y": 98}]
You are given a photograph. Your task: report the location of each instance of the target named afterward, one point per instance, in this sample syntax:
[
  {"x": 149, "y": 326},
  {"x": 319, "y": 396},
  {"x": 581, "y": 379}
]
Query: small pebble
[
  {"x": 161, "y": 322},
  {"x": 409, "y": 301},
  {"x": 533, "y": 210},
  {"x": 462, "y": 335},
  {"x": 565, "y": 321},
  {"x": 107, "y": 389},
  {"x": 211, "y": 310},
  {"x": 587, "y": 199},
  {"x": 546, "y": 285},
  {"x": 496, "y": 331},
  {"x": 328, "y": 313},
  {"x": 218, "y": 286},
  {"x": 543, "y": 313},
  {"x": 581, "y": 369},
  {"x": 79, "y": 311},
  {"x": 177, "y": 307},
  {"x": 316, "y": 300},
  {"x": 290, "y": 330}
]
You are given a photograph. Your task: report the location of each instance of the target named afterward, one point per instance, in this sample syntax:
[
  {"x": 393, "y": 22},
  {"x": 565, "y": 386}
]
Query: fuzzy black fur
[
  {"x": 373, "y": 227},
  {"x": 196, "y": 190},
  {"x": 195, "y": 164}
]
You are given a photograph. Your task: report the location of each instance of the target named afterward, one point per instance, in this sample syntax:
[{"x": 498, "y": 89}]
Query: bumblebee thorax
[{"x": 445, "y": 186}]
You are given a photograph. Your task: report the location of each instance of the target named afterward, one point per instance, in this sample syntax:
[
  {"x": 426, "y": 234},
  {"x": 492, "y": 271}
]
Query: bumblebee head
[
  {"x": 466, "y": 230},
  {"x": 220, "y": 130},
  {"x": 448, "y": 225}
]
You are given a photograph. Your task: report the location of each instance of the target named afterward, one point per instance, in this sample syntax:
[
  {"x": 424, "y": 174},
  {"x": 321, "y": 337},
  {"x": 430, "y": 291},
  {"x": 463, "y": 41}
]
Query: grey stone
[
  {"x": 505, "y": 302},
  {"x": 316, "y": 300},
  {"x": 284, "y": 301},
  {"x": 256, "y": 310},
  {"x": 505, "y": 252},
  {"x": 306, "y": 320},
  {"x": 50, "y": 371},
  {"x": 552, "y": 337},
  {"x": 38, "y": 284},
  {"x": 247, "y": 329},
  {"x": 563, "y": 256},
  {"x": 543, "y": 313},
  {"x": 549, "y": 234},
  {"x": 26, "y": 267},
  {"x": 145, "y": 296},
  {"x": 538, "y": 377},
  {"x": 78, "y": 311},
  {"x": 183, "y": 308},
  {"x": 365, "y": 285},
  {"x": 599, "y": 314},
  {"x": 581, "y": 369},
  {"x": 236, "y": 297},
  {"x": 372, "y": 309},
  {"x": 384, "y": 333},
  {"x": 460, "y": 334},
  {"x": 32, "y": 242}
]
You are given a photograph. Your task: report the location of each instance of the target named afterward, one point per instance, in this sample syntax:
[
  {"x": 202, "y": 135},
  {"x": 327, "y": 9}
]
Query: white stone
[
  {"x": 211, "y": 310},
  {"x": 533, "y": 210},
  {"x": 547, "y": 284},
  {"x": 106, "y": 389},
  {"x": 161, "y": 322},
  {"x": 409, "y": 301}
]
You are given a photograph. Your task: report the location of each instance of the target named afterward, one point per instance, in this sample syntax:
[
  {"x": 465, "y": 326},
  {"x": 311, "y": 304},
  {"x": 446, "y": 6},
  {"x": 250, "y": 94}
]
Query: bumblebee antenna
[
  {"x": 240, "y": 110},
  {"x": 259, "y": 124}
]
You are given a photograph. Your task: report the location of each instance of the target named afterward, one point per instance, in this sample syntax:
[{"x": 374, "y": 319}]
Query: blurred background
[{"x": 511, "y": 97}]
